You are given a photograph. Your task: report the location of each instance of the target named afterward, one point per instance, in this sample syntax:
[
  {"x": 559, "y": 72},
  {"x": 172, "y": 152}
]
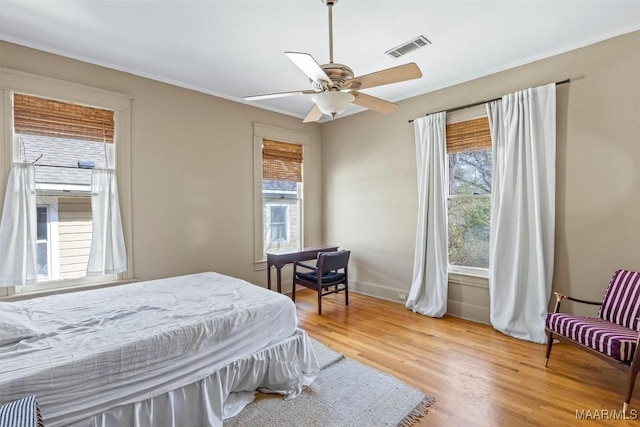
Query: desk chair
[{"x": 330, "y": 272}]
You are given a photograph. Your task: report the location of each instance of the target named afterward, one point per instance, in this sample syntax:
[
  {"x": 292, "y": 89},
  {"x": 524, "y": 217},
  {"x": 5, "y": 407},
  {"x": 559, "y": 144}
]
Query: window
[
  {"x": 279, "y": 156},
  {"x": 281, "y": 189},
  {"x": 65, "y": 142},
  {"x": 278, "y": 223},
  {"x": 65, "y": 132},
  {"x": 43, "y": 255},
  {"x": 469, "y": 198}
]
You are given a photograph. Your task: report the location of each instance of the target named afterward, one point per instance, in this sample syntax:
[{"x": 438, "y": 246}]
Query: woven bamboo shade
[
  {"x": 46, "y": 117},
  {"x": 469, "y": 135},
  {"x": 281, "y": 161}
]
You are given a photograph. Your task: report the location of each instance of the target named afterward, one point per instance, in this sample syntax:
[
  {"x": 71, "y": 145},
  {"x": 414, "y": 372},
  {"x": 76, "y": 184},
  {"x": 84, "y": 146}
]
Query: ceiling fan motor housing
[{"x": 340, "y": 75}]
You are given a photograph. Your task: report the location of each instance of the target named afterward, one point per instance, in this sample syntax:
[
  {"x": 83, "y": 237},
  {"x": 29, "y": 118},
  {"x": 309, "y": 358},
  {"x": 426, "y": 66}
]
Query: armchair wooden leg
[
  {"x": 549, "y": 345},
  {"x": 319, "y": 299},
  {"x": 631, "y": 382},
  {"x": 293, "y": 292}
]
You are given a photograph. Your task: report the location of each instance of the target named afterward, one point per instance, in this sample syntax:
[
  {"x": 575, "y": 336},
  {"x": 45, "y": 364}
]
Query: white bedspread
[{"x": 102, "y": 348}]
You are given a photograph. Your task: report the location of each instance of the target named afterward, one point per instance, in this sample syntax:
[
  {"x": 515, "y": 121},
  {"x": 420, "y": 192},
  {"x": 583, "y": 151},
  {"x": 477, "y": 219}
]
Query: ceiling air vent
[{"x": 407, "y": 47}]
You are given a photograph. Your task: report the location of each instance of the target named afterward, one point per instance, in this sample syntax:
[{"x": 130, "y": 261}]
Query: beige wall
[
  {"x": 370, "y": 190},
  {"x": 192, "y": 169}
]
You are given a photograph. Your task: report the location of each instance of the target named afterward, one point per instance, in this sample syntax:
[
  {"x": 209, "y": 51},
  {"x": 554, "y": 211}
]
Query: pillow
[{"x": 15, "y": 324}]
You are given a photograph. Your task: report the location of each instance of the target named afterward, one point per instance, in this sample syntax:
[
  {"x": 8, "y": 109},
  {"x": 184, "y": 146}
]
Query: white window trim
[
  {"x": 46, "y": 87},
  {"x": 260, "y": 132}
]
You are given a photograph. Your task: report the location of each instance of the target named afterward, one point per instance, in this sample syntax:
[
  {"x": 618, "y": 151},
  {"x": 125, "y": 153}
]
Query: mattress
[{"x": 101, "y": 348}]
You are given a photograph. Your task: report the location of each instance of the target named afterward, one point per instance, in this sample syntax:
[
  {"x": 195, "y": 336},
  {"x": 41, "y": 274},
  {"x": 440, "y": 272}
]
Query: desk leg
[
  {"x": 279, "y": 278},
  {"x": 269, "y": 276}
]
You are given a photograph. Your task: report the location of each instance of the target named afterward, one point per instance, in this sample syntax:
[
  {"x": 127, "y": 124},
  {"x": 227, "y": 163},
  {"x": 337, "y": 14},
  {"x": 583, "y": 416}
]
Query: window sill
[{"x": 64, "y": 290}]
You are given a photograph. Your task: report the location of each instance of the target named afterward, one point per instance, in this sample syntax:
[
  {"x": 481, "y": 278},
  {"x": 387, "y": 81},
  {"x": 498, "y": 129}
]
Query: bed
[{"x": 186, "y": 351}]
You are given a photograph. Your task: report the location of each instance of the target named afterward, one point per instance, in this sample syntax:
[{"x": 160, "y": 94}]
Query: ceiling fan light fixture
[{"x": 333, "y": 102}]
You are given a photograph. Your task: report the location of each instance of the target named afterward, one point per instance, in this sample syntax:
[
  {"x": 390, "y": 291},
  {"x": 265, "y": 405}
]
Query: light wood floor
[{"x": 478, "y": 376}]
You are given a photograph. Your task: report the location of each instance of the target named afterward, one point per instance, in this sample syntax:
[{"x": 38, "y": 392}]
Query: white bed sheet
[{"x": 99, "y": 349}]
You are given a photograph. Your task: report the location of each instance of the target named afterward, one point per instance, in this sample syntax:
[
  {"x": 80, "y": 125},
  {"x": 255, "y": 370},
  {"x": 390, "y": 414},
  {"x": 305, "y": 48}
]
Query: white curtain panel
[
  {"x": 18, "y": 232},
  {"x": 428, "y": 294},
  {"x": 523, "y": 132},
  {"x": 108, "y": 254}
]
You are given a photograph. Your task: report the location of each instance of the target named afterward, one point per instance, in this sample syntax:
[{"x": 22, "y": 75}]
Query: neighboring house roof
[
  {"x": 279, "y": 185},
  {"x": 279, "y": 189},
  {"x": 55, "y": 152}
]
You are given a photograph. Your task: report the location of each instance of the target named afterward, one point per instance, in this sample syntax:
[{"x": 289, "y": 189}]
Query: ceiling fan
[{"x": 335, "y": 86}]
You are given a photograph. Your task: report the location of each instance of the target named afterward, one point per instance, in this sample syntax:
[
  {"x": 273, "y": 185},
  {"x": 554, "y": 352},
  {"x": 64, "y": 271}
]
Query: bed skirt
[{"x": 284, "y": 368}]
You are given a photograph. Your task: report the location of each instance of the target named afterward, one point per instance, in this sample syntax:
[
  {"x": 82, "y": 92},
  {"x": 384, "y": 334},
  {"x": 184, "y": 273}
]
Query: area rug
[{"x": 345, "y": 394}]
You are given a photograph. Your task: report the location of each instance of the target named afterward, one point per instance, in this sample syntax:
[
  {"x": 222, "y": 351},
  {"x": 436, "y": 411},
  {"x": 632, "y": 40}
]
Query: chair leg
[
  {"x": 293, "y": 292},
  {"x": 346, "y": 293},
  {"x": 549, "y": 345},
  {"x": 319, "y": 299}
]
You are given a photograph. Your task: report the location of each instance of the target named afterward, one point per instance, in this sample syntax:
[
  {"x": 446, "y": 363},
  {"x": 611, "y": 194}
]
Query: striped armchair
[{"x": 613, "y": 335}]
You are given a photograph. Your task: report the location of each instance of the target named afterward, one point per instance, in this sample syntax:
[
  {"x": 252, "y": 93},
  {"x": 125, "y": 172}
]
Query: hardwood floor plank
[{"x": 478, "y": 376}]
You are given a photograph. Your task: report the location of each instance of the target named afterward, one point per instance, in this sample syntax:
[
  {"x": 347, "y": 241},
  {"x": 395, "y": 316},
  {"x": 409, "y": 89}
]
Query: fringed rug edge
[{"x": 419, "y": 411}]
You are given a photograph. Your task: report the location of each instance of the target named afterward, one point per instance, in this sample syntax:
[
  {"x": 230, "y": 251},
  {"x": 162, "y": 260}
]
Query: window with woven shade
[
  {"x": 64, "y": 141},
  {"x": 281, "y": 195},
  {"x": 469, "y": 197}
]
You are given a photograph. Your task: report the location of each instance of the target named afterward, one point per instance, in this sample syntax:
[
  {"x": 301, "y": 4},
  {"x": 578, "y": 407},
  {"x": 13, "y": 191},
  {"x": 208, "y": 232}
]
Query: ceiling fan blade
[
  {"x": 313, "y": 115},
  {"x": 397, "y": 74},
  {"x": 309, "y": 66},
  {"x": 278, "y": 95},
  {"x": 373, "y": 103}
]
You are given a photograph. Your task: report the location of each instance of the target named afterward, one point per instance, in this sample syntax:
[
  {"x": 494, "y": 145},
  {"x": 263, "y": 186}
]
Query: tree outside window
[{"x": 469, "y": 208}]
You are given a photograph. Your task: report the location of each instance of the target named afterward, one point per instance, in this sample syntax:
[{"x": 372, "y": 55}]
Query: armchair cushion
[
  {"x": 609, "y": 338},
  {"x": 621, "y": 303}
]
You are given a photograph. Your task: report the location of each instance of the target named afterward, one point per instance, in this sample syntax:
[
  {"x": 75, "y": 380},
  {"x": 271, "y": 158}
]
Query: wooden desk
[{"x": 279, "y": 260}]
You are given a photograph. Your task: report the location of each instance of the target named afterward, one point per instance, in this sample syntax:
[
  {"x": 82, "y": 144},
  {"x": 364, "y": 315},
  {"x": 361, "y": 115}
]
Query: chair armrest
[
  {"x": 584, "y": 302},
  {"x": 560, "y": 297},
  {"x": 301, "y": 264}
]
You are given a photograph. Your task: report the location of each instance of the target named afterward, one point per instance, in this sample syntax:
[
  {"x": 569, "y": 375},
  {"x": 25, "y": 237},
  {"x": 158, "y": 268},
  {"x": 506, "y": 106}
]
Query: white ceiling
[{"x": 236, "y": 48}]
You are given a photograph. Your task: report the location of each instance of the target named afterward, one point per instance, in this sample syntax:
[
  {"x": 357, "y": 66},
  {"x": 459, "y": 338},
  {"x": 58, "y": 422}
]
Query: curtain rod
[
  {"x": 451, "y": 110},
  {"x": 63, "y": 167}
]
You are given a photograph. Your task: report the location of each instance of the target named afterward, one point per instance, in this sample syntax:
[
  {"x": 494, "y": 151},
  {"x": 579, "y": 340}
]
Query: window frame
[
  {"x": 263, "y": 131},
  {"x": 457, "y": 272},
  {"x": 120, "y": 104}
]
